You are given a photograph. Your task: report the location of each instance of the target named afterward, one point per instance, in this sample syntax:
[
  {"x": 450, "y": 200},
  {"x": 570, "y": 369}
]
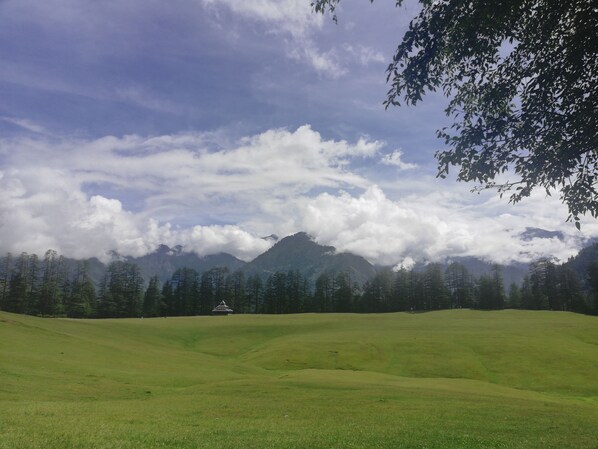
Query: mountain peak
[
  {"x": 165, "y": 250},
  {"x": 299, "y": 252},
  {"x": 271, "y": 238},
  {"x": 162, "y": 249},
  {"x": 539, "y": 233}
]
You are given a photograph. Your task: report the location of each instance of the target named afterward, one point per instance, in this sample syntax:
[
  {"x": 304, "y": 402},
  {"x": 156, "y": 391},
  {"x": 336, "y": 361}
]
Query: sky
[{"x": 126, "y": 124}]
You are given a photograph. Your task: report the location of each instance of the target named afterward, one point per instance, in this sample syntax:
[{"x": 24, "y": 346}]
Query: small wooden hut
[{"x": 222, "y": 309}]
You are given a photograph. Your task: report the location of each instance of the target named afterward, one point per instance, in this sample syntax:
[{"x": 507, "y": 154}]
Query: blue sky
[{"x": 211, "y": 123}]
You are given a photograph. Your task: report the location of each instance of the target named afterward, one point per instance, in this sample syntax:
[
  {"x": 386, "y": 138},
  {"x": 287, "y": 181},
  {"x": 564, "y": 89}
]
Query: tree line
[
  {"x": 54, "y": 287},
  {"x": 547, "y": 286}
]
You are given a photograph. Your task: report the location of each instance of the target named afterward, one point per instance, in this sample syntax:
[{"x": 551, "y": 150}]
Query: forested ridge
[{"x": 53, "y": 287}]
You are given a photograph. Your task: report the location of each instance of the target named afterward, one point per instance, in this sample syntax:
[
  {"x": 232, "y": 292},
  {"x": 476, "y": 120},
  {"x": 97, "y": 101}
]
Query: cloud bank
[
  {"x": 166, "y": 180},
  {"x": 129, "y": 194},
  {"x": 431, "y": 227}
]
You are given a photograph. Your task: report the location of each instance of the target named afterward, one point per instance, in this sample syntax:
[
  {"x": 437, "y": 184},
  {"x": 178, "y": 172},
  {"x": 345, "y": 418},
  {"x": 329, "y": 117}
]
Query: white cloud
[
  {"x": 290, "y": 16},
  {"x": 179, "y": 178},
  {"x": 406, "y": 264},
  {"x": 187, "y": 189},
  {"x": 293, "y": 18},
  {"x": 434, "y": 226},
  {"x": 184, "y": 166},
  {"x": 43, "y": 209},
  {"x": 395, "y": 159}
]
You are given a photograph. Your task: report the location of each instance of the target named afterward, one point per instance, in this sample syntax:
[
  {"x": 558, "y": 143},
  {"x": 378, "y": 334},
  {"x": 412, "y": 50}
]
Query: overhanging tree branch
[{"x": 522, "y": 76}]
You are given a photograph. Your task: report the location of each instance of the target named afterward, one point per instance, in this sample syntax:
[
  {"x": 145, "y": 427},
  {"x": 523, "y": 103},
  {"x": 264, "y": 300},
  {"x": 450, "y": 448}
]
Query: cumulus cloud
[
  {"x": 132, "y": 193},
  {"x": 44, "y": 209},
  {"x": 48, "y": 204},
  {"x": 434, "y": 226},
  {"x": 185, "y": 167}
]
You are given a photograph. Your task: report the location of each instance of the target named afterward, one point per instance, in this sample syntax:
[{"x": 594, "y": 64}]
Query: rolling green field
[{"x": 450, "y": 379}]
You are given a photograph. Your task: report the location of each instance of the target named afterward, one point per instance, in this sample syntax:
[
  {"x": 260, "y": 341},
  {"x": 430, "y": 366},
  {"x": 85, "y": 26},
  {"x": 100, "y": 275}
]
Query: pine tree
[
  {"x": 50, "y": 297},
  {"x": 212, "y": 289},
  {"x": 436, "y": 294},
  {"x": 17, "y": 287},
  {"x": 121, "y": 291},
  {"x": 186, "y": 291},
  {"x": 324, "y": 293},
  {"x": 417, "y": 296},
  {"x": 539, "y": 275},
  {"x": 235, "y": 286},
  {"x": 81, "y": 302},
  {"x": 485, "y": 292},
  {"x": 514, "y": 298},
  {"x": 527, "y": 295},
  {"x": 31, "y": 295},
  {"x": 275, "y": 294},
  {"x": 152, "y": 300},
  {"x": 4, "y": 279},
  {"x": 254, "y": 292},
  {"x": 593, "y": 283},
  {"x": 133, "y": 298},
  {"x": 344, "y": 293},
  {"x": 167, "y": 298},
  {"x": 400, "y": 292},
  {"x": 459, "y": 285},
  {"x": 107, "y": 304},
  {"x": 377, "y": 293},
  {"x": 498, "y": 289}
]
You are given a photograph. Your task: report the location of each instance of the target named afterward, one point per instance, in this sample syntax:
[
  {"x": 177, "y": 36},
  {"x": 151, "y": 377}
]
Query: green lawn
[{"x": 450, "y": 379}]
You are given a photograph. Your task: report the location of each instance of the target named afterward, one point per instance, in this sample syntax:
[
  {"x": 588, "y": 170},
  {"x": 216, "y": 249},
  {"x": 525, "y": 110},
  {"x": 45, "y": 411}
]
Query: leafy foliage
[{"x": 522, "y": 80}]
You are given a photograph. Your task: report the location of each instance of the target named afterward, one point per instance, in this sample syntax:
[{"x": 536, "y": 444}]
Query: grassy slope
[{"x": 451, "y": 379}]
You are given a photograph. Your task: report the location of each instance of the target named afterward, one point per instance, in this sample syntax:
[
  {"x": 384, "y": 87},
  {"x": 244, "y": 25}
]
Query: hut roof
[{"x": 222, "y": 308}]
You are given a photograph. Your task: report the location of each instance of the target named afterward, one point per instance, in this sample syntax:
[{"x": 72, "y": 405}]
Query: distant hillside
[
  {"x": 512, "y": 273},
  {"x": 165, "y": 261},
  {"x": 300, "y": 252},
  {"x": 580, "y": 263},
  {"x": 539, "y": 233}
]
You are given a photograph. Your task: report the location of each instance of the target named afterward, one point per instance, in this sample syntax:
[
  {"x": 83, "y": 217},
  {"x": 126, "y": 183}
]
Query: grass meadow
[{"x": 448, "y": 379}]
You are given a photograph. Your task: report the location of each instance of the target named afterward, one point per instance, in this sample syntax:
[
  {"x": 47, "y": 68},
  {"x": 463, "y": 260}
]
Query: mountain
[
  {"x": 512, "y": 273},
  {"x": 95, "y": 268},
  {"x": 300, "y": 252},
  {"x": 165, "y": 261},
  {"x": 580, "y": 264},
  {"x": 539, "y": 233},
  {"x": 271, "y": 238}
]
